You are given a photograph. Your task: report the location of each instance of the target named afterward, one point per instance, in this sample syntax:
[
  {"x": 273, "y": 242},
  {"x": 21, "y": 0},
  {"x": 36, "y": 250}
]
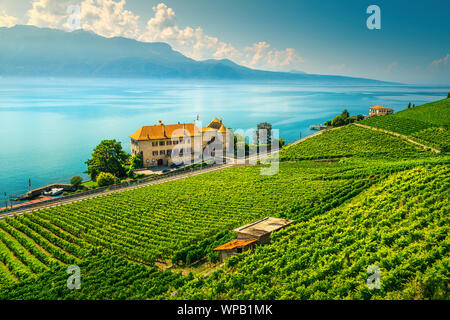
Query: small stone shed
[{"x": 251, "y": 234}]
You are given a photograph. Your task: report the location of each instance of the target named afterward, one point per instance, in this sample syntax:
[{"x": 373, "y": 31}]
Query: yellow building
[
  {"x": 160, "y": 144},
  {"x": 379, "y": 111}
]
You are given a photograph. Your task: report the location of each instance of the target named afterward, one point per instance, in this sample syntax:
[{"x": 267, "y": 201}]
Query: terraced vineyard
[
  {"x": 104, "y": 276},
  {"x": 380, "y": 201},
  {"x": 435, "y": 113},
  {"x": 435, "y": 137},
  {"x": 401, "y": 225},
  {"x": 352, "y": 141},
  {"x": 153, "y": 222},
  {"x": 428, "y": 124},
  {"x": 397, "y": 124},
  {"x": 37, "y": 247}
]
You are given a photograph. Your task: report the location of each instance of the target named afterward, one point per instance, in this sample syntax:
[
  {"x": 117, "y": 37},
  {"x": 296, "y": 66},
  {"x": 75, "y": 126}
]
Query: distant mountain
[
  {"x": 297, "y": 72},
  {"x": 32, "y": 51}
]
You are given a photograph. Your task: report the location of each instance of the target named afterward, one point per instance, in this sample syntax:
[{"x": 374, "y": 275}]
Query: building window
[
  {"x": 169, "y": 152},
  {"x": 169, "y": 143},
  {"x": 155, "y": 153},
  {"x": 162, "y": 152},
  {"x": 154, "y": 143},
  {"x": 175, "y": 143},
  {"x": 161, "y": 143}
]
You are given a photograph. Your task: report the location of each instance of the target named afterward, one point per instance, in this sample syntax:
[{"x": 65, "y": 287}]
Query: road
[{"x": 81, "y": 198}]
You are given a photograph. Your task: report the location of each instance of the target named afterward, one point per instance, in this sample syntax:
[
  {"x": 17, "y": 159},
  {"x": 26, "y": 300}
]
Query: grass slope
[
  {"x": 352, "y": 141},
  {"x": 435, "y": 113},
  {"x": 428, "y": 124}
]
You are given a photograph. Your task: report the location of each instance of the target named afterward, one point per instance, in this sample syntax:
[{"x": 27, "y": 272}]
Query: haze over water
[{"x": 48, "y": 127}]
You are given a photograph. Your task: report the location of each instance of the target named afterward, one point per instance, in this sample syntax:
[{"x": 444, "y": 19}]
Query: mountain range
[{"x": 36, "y": 52}]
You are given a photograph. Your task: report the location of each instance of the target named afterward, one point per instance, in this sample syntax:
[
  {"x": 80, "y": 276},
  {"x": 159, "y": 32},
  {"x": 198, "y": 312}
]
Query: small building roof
[
  {"x": 235, "y": 244},
  {"x": 215, "y": 124},
  {"x": 379, "y": 108},
  {"x": 263, "y": 226},
  {"x": 222, "y": 129}
]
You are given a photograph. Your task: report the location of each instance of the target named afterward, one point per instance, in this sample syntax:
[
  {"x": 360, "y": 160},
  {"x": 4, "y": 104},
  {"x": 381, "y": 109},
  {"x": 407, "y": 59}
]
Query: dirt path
[{"x": 398, "y": 135}]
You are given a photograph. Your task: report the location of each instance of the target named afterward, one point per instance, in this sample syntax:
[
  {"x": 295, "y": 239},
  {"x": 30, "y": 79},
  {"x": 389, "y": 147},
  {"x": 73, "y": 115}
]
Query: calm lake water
[{"x": 48, "y": 127}]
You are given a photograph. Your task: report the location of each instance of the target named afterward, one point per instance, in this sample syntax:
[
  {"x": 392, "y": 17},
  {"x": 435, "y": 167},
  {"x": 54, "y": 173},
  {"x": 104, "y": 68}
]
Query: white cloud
[
  {"x": 442, "y": 61},
  {"x": 48, "y": 13},
  {"x": 261, "y": 55},
  {"x": 194, "y": 43},
  {"x": 109, "y": 18},
  {"x": 7, "y": 21}
]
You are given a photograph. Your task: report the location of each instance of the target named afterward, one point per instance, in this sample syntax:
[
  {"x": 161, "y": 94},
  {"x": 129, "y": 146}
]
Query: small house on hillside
[
  {"x": 379, "y": 111},
  {"x": 251, "y": 234}
]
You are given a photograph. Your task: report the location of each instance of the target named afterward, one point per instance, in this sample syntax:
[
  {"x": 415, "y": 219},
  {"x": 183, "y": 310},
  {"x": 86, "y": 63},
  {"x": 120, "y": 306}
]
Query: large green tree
[
  {"x": 338, "y": 121},
  {"x": 345, "y": 114},
  {"x": 108, "y": 156}
]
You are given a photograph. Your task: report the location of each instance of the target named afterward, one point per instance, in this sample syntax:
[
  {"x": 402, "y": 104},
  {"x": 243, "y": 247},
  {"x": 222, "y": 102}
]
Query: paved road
[{"x": 81, "y": 198}]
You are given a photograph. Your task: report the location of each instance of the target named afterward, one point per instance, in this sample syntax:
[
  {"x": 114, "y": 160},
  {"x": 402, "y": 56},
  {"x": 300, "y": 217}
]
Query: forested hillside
[{"x": 379, "y": 200}]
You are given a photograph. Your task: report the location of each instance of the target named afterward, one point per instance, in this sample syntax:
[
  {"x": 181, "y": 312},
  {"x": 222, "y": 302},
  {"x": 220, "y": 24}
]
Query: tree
[
  {"x": 345, "y": 114},
  {"x": 337, "y": 121},
  {"x": 281, "y": 143},
  {"x": 327, "y": 123},
  {"x": 414, "y": 105},
  {"x": 261, "y": 126},
  {"x": 136, "y": 161},
  {"x": 448, "y": 95},
  {"x": 76, "y": 181},
  {"x": 105, "y": 179},
  {"x": 108, "y": 156},
  {"x": 360, "y": 117},
  {"x": 409, "y": 105}
]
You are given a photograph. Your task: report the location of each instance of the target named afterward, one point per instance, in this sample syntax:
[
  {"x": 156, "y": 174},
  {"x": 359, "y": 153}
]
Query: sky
[{"x": 412, "y": 44}]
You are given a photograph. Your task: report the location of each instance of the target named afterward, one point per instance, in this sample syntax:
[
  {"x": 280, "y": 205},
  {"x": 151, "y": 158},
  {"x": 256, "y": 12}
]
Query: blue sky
[{"x": 327, "y": 37}]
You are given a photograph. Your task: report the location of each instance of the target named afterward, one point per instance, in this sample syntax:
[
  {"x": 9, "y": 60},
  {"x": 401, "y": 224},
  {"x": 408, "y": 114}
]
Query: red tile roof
[{"x": 234, "y": 244}]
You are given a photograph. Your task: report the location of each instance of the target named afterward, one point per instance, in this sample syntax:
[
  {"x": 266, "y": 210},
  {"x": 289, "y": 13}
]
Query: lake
[{"x": 49, "y": 127}]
